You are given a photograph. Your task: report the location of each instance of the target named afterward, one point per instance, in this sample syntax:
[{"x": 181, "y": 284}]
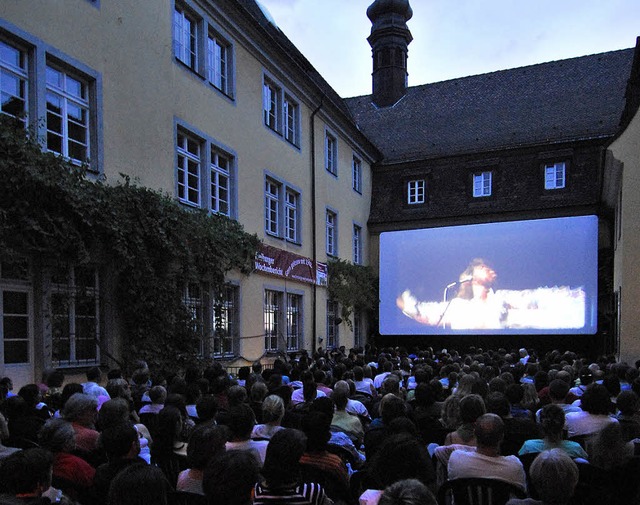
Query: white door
[{"x": 16, "y": 335}]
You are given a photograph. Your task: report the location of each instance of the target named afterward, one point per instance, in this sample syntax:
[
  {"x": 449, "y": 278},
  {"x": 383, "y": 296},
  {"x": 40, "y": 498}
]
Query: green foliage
[
  {"x": 354, "y": 287},
  {"x": 150, "y": 245}
]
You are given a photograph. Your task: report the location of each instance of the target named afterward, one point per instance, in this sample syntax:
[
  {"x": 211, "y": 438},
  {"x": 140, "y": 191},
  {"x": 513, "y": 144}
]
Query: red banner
[{"x": 287, "y": 265}]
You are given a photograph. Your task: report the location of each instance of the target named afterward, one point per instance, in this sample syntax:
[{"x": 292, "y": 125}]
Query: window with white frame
[
  {"x": 356, "y": 170},
  {"x": 291, "y": 111},
  {"x": 67, "y": 115},
  {"x": 331, "y": 233},
  {"x": 13, "y": 81},
  {"x": 271, "y": 104},
  {"x": 357, "y": 244},
  {"x": 291, "y": 215},
  {"x": 331, "y": 153},
  {"x": 482, "y": 184},
  {"x": 358, "y": 329},
  {"x": 218, "y": 62},
  {"x": 226, "y": 319},
  {"x": 188, "y": 155},
  {"x": 333, "y": 328},
  {"x": 294, "y": 321},
  {"x": 416, "y": 191},
  {"x": 75, "y": 316},
  {"x": 185, "y": 37},
  {"x": 220, "y": 179},
  {"x": 281, "y": 210},
  {"x": 195, "y": 301},
  {"x": 554, "y": 175},
  {"x": 272, "y": 314}
]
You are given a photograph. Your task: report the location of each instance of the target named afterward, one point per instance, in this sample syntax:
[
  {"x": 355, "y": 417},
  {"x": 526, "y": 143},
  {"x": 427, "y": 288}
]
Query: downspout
[{"x": 313, "y": 222}]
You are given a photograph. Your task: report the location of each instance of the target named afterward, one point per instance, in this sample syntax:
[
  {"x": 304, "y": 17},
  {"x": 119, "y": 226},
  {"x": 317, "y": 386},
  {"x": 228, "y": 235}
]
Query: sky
[{"x": 455, "y": 38}]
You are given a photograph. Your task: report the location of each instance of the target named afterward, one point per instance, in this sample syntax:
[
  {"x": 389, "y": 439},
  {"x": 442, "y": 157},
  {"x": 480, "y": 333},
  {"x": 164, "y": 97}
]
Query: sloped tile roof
[{"x": 564, "y": 100}]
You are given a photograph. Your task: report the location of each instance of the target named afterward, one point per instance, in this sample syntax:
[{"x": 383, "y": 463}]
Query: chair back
[{"x": 475, "y": 491}]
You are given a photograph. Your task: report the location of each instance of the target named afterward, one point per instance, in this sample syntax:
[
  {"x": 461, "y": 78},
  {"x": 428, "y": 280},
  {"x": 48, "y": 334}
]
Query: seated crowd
[{"x": 393, "y": 427}]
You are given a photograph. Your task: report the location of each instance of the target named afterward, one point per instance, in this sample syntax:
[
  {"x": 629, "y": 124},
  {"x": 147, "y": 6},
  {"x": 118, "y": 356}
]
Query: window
[
  {"x": 195, "y": 303},
  {"x": 67, "y": 115},
  {"x": 220, "y": 178},
  {"x": 13, "y": 81},
  {"x": 75, "y": 310},
  {"x": 331, "y": 153},
  {"x": 294, "y": 321},
  {"x": 333, "y": 328},
  {"x": 358, "y": 329},
  {"x": 356, "y": 171},
  {"x": 291, "y": 216},
  {"x": 281, "y": 200},
  {"x": 188, "y": 168},
  {"x": 15, "y": 326},
  {"x": 271, "y": 105},
  {"x": 331, "y": 233},
  {"x": 218, "y": 62},
  {"x": 482, "y": 184},
  {"x": 291, "y": 114},
  {"x": 226, "y": 320},
  {"x": 554, "y": 176},
  {"x": 357, "y": 244},
  {"x": 416, "y": 191},
  {"x": 272, "y": 319},
  {"x": 185, "y": 37}
]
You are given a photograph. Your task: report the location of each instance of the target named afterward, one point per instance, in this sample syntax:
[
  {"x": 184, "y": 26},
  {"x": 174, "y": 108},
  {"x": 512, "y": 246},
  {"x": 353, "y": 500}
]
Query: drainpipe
[{"x": 313, "y": 222}]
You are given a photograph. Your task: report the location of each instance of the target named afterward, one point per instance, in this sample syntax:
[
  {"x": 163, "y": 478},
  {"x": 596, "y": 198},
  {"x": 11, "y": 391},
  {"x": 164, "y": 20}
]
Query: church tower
[{"x": 389, "y": 40}]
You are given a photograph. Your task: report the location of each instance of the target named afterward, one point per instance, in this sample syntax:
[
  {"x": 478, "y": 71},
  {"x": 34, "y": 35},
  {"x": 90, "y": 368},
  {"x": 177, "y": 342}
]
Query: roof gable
[{"x": 578, "y": 98}]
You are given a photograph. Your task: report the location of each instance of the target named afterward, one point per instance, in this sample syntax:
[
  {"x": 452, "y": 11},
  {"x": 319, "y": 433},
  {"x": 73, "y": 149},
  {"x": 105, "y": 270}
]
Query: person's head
[
  {"x": 407, "y": 492},
  {"x": 399, "y": 457},
  {"x": 207, "y": 408},
  {"x": 596, "y": 399},
  {"x": 391, "y": 407},
  {"x": 281, "y": 465},
  {"x": 558, "y": 390},
  {"x": 81, "y": 409},
  {"x": 118, "y": 388},
  {"x": 478, "y": 272},
  {"x": 471, "y": 407},
  {"x": 31, "y": 394},
  {"x": 514, "y": 393},
  {"x": 229, "y": 478},
  {"x": 26, "y": 472},
  {"x": 114, "y": 411},
  {"x": 158, "y": 394},
  {"x": 340, "y": 395},
  {"x": 139, "y": 485},
  {"x": 168, "y": 429},
  {"x": 120, "y": 441},
  {"x": 628, "y": 403},
  {"x": 317, "y": 427},
  {"x": 489, "y": 431},
  {"x": 6, "y": 381},
  {"x": 236, "y": 395},
  {"x": 241, "y": 422},
  {"x": 552, "y": 420},
  {"x": 497, "y": 403},
  {"x": 94, "y": 374},
  {"x": 205, "y": 442},
  {"x": 554, "y": 476},
  {"x": 272, "y": 409},
  {"x": 55, "y": 379},
  {"x": 57, "y": 435},
  {"x": 451, "y": 413},
  {"x": 259, "y": 391}
]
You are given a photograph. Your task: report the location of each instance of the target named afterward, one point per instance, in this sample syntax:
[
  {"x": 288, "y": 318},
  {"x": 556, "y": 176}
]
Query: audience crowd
[{"x": 367, "y": 426}]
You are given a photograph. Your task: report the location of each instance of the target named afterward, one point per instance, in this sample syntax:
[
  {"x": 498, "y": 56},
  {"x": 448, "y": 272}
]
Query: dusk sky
[{"x": 455, "y": 38}]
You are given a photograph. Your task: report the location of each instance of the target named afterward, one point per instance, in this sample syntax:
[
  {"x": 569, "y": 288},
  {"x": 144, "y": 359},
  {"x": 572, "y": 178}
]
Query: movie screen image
[{"x": 520, "y": 277}]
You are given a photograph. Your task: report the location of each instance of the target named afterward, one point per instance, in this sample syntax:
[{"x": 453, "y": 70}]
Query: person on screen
[{"x": 475, "y": 305}]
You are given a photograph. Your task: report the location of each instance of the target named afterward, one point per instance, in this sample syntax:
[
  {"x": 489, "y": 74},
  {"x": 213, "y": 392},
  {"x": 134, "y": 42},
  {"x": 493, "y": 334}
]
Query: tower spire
[{"x": 389, "y": 40}]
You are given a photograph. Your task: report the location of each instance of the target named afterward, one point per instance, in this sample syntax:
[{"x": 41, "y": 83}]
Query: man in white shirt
[{"x": 486, "y": 462}]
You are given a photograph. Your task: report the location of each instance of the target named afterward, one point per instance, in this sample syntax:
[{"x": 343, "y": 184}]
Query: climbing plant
[
  {"x": 354, "y": 287},
  {"x": 150, "y": 246}
]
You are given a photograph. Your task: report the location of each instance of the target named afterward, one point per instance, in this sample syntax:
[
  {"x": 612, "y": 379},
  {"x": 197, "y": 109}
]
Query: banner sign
[{"x": 287, "y": 265}]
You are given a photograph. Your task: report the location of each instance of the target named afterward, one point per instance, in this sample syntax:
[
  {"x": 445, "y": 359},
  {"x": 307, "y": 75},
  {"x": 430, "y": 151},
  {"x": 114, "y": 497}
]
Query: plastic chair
[{"x": 478, "y": 492}]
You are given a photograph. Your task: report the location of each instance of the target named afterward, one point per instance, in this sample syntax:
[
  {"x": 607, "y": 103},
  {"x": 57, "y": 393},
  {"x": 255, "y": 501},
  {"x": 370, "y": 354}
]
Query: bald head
[{"x": 489, "y": 430}]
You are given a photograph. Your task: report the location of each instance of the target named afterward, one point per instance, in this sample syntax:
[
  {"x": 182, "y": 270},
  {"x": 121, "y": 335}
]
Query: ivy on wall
[
  {"x": 149, "y": 245},
  {"x": 354, "y": 287}
]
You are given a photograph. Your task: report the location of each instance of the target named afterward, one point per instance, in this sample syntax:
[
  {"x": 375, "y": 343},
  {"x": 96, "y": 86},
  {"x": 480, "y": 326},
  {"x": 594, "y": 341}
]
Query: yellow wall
[
  {"x": 144, "y": 92},
  {"x": 627, "y": 254}
]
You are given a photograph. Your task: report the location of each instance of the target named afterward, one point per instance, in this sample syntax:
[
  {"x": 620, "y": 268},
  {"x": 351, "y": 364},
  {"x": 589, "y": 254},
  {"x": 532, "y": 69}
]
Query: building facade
[{"x": 207, "y": 101}]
